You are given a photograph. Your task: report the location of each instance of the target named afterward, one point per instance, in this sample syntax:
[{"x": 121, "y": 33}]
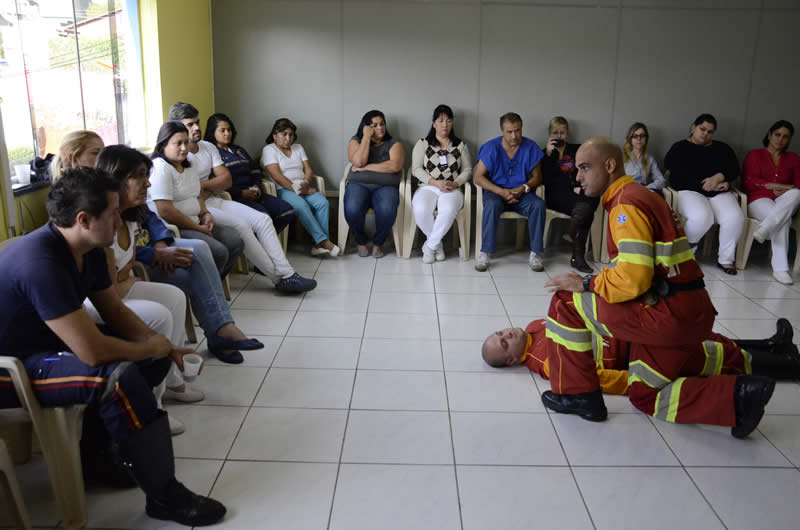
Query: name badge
[{"x": 442, "y": 160}]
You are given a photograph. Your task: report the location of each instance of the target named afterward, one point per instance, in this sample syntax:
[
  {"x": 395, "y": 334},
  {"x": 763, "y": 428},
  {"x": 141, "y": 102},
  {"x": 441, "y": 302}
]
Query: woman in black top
[
  {"x": 701, "y": 170},
  {"x": 563, "y": 193}
]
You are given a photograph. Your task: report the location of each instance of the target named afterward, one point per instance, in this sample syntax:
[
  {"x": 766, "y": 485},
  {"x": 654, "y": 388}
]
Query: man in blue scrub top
[{"x": 509, "y": 170}]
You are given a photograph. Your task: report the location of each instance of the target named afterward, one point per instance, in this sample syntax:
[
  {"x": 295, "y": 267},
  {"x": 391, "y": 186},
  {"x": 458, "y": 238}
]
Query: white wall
[{"x": 602, "y": 64}]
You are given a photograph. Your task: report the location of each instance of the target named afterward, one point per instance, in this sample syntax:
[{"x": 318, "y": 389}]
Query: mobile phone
[{"x": 558, "y": 142}]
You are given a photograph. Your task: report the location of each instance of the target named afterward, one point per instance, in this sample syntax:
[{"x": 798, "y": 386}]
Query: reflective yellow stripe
[
  {"x": 668, "y": 401},
  {"x": 597, "y": 347},
  {"x": 586, "y": 304},
  {"x": 639, "y": 371},
  {"x": 669, "y": 253},
  {"x": 748, "y": 361},
  {"x": 714, "y": 357},
  {"x": 635, "y": 251},
  {"x": 574, "y": 339},
  {"x": 638, "y": 259}
]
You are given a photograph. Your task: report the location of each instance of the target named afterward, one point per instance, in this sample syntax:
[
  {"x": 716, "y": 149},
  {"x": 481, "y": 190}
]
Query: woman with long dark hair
[
  {"x": 374, "y": 181},
  {"x": 442, "y": 164}
]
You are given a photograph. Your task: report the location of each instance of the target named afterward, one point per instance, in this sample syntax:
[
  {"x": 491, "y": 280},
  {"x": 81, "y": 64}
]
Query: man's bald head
[{"x": 599, "y": 162}]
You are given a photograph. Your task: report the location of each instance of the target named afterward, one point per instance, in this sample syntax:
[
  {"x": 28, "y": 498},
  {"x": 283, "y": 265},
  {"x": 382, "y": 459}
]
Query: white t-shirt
[
  {"x": 291, "y": 166},
  {"x": 204, "y": 160},
  {"x": 123, "y": 256},
  {"x": 180, "y": 188}
]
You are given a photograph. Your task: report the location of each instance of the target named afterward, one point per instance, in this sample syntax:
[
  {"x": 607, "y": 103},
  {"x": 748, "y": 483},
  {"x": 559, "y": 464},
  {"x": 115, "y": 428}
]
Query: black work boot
[
  {"x": 588, "y": 405},
  {"x": 750, "y": 395},
  {"x": 148, "y": 454},
  {"x": 780, "y": 343},
  {"x": 578, "y": 260}
]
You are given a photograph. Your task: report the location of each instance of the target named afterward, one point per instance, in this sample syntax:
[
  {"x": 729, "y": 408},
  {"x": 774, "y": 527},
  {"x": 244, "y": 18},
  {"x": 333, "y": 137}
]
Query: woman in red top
[{"x": 772, "y": 183}]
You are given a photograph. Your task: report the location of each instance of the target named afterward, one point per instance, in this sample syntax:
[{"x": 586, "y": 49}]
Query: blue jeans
[
  {"x": 383, "y": 200},
  {"x": 529, "y": 205},
  {"x": 312, "y": 211},
  {"x": 225, "y": 246},
  {"x": 200, "y": 281}
]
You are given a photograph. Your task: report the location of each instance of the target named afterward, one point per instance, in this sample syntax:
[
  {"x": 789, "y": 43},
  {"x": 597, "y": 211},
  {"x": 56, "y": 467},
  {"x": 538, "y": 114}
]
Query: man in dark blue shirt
[
  {"x": 46, "y": 277},
  {"x": 509, "y": 170}
]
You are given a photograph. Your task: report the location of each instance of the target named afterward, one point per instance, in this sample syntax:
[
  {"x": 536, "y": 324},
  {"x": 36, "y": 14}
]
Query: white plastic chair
[
  {"x": 463, "y": 220},
  {"x": 397, "y": 228},
  {"x": 8, "y": 477},
  {"x": 59, "y": 432}
]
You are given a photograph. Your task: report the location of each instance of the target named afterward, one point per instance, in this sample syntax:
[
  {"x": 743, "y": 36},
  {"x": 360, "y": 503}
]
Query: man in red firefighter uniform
[{"x": 653, "y": 297}]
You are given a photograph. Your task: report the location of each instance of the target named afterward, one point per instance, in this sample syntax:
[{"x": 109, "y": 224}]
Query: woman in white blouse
[
  {"x": 638, "y": 164},
  {"x": 441, "y": 163},
  {"x": 286, "y": 162}
]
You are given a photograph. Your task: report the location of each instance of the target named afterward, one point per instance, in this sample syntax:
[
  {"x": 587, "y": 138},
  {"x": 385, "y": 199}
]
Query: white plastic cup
[
  {"x": 191, "y": 366},
  {"x": 23, "y": 172}
]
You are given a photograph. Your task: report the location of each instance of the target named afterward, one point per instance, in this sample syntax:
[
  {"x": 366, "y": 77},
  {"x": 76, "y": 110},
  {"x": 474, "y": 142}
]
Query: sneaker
[
  {"x": 427, "y": 254},
  {"x": 377, "y": 252},
  {"x": 439, "y": 254},
  {"x": 335, "y": 251},
  {"x": 535, "y": 262},
  {"x": 189, "y": 395},
  {"x": 363, "y": 251},
  {"x": 176, "y": 426},
  {"x": 295, "y": 284},
  {"x": 783, "y": 277},
  {"x": 482, "y": 264},
  {"x": 319, "y": 251}
]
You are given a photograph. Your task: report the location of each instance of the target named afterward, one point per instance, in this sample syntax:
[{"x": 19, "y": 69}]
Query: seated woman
[
  {"x": 176, "y": 196},
  {"x": 701, "y": 169},
  {"x": 184, "y": 263},
  {"x": 562, "y": 191},
  {"x": 442, "y": 164},
  {"x": 373, "y": 182},
  {"x": 77, "y": 149},
  {"x": 638, "y": 164},
  {"x": 286, "y": 162},
  {"x": 772, "y": 183},
  {"x": 246, "y": 186}
]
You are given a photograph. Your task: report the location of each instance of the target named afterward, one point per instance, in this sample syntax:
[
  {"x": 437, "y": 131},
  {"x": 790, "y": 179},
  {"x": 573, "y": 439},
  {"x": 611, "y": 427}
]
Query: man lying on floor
[{"x": 775, "y": 357}]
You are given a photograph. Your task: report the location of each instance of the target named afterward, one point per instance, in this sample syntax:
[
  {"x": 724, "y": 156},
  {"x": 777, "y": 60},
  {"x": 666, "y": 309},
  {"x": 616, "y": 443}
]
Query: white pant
[
  {"x": 430, "y": 198},
  {"x": 777, "y": 215},
  {"x": 162, "y": 307},
  {"x": 701, "y": 212},
  {"x": 265, "y": 252}
]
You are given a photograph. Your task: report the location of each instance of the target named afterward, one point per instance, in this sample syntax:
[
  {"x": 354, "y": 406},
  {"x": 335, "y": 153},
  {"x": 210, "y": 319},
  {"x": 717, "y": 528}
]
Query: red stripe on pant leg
[{"x": 124, "y": 410}]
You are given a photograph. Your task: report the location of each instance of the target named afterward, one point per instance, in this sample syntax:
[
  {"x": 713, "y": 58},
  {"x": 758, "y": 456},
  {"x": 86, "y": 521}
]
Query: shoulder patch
[{"x": 622, "y": 218}]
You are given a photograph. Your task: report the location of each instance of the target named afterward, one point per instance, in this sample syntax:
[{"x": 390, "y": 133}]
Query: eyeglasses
[{"x": 639, "y": 137}]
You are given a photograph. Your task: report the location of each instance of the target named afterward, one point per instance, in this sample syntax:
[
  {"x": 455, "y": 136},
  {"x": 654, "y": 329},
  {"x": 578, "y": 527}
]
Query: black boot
[
  {"x": 578, "y": 260},
  {"x": 589, "y": 405},
  {"x": 750, "y": 395},
  {"x": 99, "y": 462},
  {"x": 148, "y": 454},
  {"x": 777, "y": 366},
  {"x": 580, "y": 224},
  {"x": 780, "y": 343}
]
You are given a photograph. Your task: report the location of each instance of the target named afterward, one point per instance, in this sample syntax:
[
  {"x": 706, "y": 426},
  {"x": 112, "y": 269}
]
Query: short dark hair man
[
  {"x": 46, "y": 277},
  {"x": 509, "y": 170}
]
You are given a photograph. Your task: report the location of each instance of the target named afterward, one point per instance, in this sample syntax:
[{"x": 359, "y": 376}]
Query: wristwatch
[
  {"x": 526, "y": 188},
  {"x": 587, "y": 280}
]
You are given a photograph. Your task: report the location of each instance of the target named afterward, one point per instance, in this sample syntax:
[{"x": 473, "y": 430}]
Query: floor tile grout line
[
  {"x": 350, "y": 402},
  {"x": 686, "y": 471},
  {"x": 447, "y": 398}
]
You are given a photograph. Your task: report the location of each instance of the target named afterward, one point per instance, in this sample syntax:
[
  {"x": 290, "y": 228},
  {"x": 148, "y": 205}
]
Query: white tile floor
[{"x": 370, "y": 408}]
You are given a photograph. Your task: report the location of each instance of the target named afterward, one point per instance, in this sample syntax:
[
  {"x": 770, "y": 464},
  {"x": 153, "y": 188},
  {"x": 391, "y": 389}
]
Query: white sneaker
[
  {"x": 427, "y": 254},
  {"x": 319, "y": 251},
  {"x": 482, "y": 263},
  {"x": 783, "y": 277},
  {"x": 335, "y": 251},
  {"x": 439, "y": 254},
  {"x": 535, "y": 262},
  {"x": 176, "y": 426},
  {"x": 189, "y": 395}
]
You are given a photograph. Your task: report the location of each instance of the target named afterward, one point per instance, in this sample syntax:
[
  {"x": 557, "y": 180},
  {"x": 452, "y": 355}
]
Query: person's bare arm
[
  {"x": 397, "y": 158},
  {"x": 168, "y": 212},
  {"x": 84, "y": 339},
  {"x": 274, "y": 171},
  {"x": 220, "y": 180},
  {"x": 481, "y": 179},
  {"x": 358, "y": 152}
]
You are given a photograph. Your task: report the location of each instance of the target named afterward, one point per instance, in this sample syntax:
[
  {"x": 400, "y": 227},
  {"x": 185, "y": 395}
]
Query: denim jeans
[
  {"x": 383, "y": 200},
  {"x": 529, "y": 205},
  {"x": 312, "y": 211},
  {"x": 200, "y": 281},
  {"x": 225, "y": 246}
]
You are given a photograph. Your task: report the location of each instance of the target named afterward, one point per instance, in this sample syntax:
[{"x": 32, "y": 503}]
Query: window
[{"x": 68, "y": 65}]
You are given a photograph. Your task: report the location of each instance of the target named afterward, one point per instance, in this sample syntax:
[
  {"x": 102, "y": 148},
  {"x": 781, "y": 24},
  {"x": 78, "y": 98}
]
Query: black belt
[{"x": 663, "y": 288}]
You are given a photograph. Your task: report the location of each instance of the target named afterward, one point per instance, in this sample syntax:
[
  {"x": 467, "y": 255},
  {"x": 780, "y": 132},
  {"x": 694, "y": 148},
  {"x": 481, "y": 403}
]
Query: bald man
[{"x": 653, "y": 297}]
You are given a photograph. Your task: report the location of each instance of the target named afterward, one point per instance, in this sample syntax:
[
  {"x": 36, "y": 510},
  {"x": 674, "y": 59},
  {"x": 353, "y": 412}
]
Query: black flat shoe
[
  {"x": 580, "y": 265},
  {"x": 185, "y": 507},
  {"x": 221, "y": 343},
  {"x": 588, "y": 405},
  {"x": 731, "y": 270}
]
